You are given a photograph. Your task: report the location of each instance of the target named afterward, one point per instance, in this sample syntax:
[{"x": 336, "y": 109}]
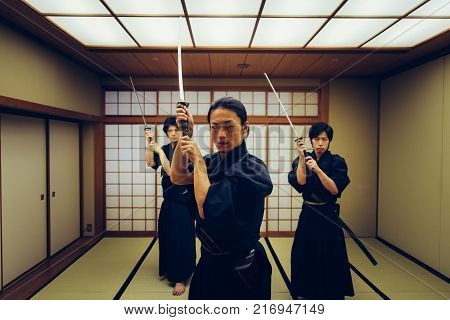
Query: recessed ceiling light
[
  {"x": 158, "y": 31},
  {"x": 222, "y": 32},
  {"x": 348, "y": 33},
  {"x": 285, "y": 32},
  {"x": 68, "y": 6},
  {"x": 377, "y": 8},
  {"x": 300, "y": 7},
  {"x": 95, "y": 31},
  {"x": 409, "y": 32},
  {"x": 159, "y": 7},
  {"x": 223, "y": 8}
]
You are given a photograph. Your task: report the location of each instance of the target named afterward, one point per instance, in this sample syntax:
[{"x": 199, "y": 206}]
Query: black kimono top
[
  {"x": 234, "y": 204},
  {"x": 334, "y": 167},
  {"x": 170, "y": 190}
]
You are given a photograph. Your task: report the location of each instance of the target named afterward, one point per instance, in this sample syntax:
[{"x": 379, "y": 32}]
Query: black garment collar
[
  {"x": 219, "y": 165},
  {"x": 326, "y": 156},
  {"x": 234, "y": 155}
]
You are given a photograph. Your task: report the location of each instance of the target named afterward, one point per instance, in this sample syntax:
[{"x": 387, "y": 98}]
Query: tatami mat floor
[{"x": 101, "y": 272}]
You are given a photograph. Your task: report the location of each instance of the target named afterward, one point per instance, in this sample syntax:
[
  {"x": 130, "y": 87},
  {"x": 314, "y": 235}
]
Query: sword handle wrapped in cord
[{"x": 184, "y": 124}]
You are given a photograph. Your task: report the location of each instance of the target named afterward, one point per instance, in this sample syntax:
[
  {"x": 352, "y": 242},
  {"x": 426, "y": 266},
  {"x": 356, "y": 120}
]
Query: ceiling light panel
[
  {"x": 300, "y": 7},
  {"x": 158, "y": 31},
  {"x": 149, "y": 7},
  {"x": 221, "y": 7},
  {"x": 95, "y": 31},
  {"x": 348, "y": 33},
  {"x": 437, "y": 8},
  {"x": 68, "y": 6},
  {"x": 377, "y": 8},
  {"x": 222, "y": 32},
  {"x": 288, "y": 32},
  {"x": 409, "y": 32}
]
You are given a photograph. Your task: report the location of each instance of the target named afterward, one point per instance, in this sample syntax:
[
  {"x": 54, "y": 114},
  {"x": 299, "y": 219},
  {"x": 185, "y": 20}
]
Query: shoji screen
[
  {"x": 134, "y": 193},
  {"x": 284, "y": 204},
  {"x": 130, "y": 185}
]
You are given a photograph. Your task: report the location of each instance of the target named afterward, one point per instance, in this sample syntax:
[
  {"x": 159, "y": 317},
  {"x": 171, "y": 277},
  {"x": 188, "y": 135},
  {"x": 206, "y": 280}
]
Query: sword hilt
[
  {"x": 149, "y": 129},
  {"x": 184, "y": 124}
]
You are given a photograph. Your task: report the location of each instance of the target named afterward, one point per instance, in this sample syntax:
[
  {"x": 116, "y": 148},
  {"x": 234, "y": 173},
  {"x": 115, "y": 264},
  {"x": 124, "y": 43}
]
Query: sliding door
[
  {"x": 64, "y": 184},
  {"x": 23, "y": 181}
]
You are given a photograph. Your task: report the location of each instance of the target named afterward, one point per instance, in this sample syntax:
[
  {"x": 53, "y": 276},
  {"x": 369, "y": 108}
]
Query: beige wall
[
  {"x": 444, "y": 248},
  {"x": 353, "y": 116},
  {"x": 414, "y": 163},
  {"x": 32, "y": 72}
]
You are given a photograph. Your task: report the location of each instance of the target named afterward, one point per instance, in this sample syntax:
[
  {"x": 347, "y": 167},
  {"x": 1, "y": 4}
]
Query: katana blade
[
  {"x": 184, "y": 123},
  {"x": 140, "y": 107},
  {"x": 281, "y": 103},
  {"x": 180, "y": 75},
  {"x": 180, "y": 65}
]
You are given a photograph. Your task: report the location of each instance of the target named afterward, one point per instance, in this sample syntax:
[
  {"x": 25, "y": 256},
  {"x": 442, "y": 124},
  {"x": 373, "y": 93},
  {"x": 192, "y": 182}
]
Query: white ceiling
[{"x": 231, "y": 23}]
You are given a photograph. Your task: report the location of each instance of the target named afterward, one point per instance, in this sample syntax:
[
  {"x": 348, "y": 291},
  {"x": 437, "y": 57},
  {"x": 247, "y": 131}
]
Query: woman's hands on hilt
[
  {"x": 190, "y": 149},
  {"x": 183, "y": 114}
]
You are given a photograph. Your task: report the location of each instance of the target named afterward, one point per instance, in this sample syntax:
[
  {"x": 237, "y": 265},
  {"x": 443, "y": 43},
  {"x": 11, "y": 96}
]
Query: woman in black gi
[
  {"x": 230, "y": 187},
  {"x": 176, "y": 229},
  {"x": 319, "y": 262}
]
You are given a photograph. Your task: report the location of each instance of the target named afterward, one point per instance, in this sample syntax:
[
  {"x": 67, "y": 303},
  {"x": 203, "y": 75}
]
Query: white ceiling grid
[{"x": 325, "y": 24}]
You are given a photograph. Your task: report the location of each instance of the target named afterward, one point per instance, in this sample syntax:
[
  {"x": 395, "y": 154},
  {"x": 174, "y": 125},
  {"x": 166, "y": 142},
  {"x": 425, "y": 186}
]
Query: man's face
[
  {"x": 173, "y": 134},
  {"x": 321, "y": 143},
  {"x": 226, "y": 129}
]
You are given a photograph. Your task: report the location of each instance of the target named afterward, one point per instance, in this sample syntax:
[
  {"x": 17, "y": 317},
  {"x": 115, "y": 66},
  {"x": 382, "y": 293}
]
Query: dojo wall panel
[
  {"x": 23, "y": 180},
  {"x": 444, "y": 253},
  {"x": 32, "y": 72},
  {"x": 64, "y": 184},
  {"x": 1, "y": 247},
  {"x": 411, "y": 162},
  {"x": 87, "y": 142},
  {"x": 353, "y": 116}
]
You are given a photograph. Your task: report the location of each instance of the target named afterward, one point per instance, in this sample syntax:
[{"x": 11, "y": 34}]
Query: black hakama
[
  {"x": 233, "y": 264},
  {"x": 176, "y": 228},
  {"x": 319, "y": 261}
]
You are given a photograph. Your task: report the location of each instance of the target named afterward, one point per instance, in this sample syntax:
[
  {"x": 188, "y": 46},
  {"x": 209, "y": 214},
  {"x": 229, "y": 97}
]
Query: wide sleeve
[
  {"x": 292, "y": 177},
  {"x": 218, "y": 205},
  {"x": 157, "y": 161},
  {"x": 231, "y": 210},
  {"x": 339, "y": 173},
  {"x": 206, "y": 158},
  {"x": 236, "y": 202}
]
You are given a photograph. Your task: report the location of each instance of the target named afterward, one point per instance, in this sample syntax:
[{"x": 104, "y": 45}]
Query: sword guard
[{"x": 184, "y": 123}]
